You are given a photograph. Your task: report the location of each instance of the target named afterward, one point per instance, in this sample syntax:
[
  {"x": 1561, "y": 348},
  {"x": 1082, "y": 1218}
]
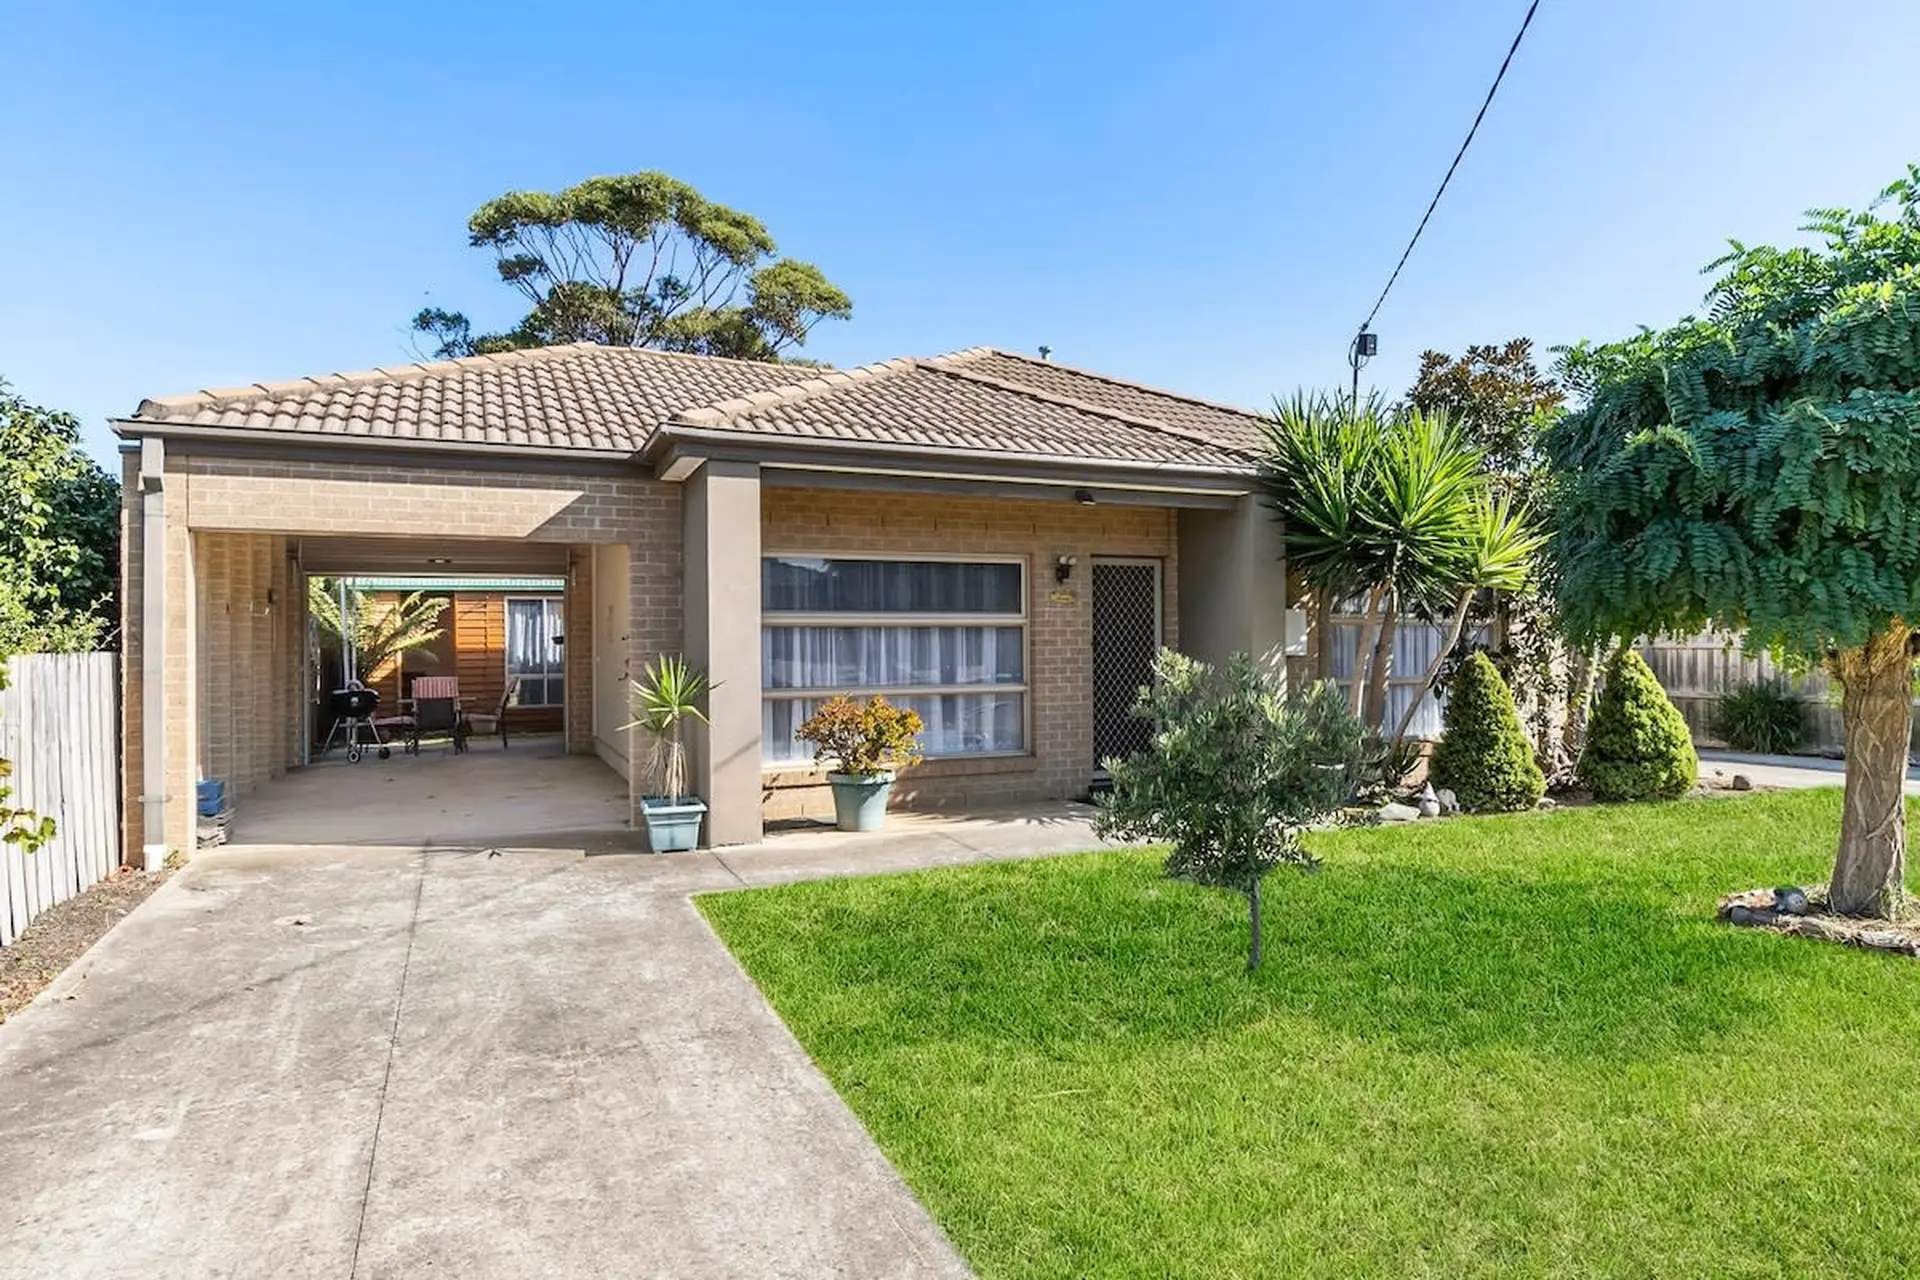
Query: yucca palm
[
  {"x": 377, "y": 630},
  {"x": 1376, "y": 504},
  {"x": 666, "y": 696}
]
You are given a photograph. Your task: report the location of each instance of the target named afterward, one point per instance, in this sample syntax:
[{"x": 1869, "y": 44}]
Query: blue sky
[{"x": 1206, "y": 196}]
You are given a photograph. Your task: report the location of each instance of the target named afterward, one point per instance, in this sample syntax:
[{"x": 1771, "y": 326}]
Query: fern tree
[
  {"x": 1759, "y": 469},
  {"x": 379, "y": 630}
]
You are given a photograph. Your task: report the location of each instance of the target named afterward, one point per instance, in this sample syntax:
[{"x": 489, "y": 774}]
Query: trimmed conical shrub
[
  {"x": 1484, "y": 757},
  {"x": 1638, "y": 747}
]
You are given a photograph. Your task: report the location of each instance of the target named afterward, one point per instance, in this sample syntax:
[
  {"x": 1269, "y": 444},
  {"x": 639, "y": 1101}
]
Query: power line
[{"x": 1458, "y": 155}]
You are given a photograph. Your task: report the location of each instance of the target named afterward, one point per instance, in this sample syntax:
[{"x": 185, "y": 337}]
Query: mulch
[
  {"x": 1803, "y": 912},
  {"x": 59, "y": 934}
]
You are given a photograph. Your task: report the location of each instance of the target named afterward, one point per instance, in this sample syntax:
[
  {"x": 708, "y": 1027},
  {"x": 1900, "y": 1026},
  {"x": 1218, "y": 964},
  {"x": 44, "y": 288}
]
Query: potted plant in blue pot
[
  {"x": 865, "y": 743},
  {"x": 665, "y": 698}
]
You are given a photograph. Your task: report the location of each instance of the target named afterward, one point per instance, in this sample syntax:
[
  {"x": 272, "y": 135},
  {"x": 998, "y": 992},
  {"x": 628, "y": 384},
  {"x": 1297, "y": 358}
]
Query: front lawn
[{"x": 1485, "y": 1046}]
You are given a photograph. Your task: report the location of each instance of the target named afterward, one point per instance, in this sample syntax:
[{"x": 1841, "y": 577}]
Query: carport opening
[{"x": 430, "y": 689}]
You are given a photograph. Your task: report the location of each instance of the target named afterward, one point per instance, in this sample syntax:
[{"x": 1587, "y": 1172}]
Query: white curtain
[
  {"x": 531, "y": 653},
  {"x": 956, "y": 723},
  {"x": 840, "y": 658}
]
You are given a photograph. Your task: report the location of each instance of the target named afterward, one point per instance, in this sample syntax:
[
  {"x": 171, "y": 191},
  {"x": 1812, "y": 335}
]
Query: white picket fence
[{"x": 59, "y": 725}]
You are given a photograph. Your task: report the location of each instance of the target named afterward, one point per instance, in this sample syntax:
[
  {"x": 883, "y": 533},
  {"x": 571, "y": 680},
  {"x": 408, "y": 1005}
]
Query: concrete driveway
[{"x": 462, "y": 1062}]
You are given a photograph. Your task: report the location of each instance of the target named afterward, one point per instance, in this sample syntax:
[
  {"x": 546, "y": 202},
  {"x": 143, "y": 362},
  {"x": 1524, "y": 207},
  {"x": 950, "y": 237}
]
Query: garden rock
[
  {"x": 1790, "y": 901},
  {"x": 1741, "y": 782},
  {"x": 1398, "y": 813},
  {"x": 1449, "y": 802},
  {"x": 1429, "y": 803}
]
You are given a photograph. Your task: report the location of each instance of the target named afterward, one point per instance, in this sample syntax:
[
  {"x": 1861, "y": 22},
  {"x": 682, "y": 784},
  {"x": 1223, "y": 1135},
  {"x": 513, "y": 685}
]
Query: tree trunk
[
  {"x": 1253, "y": 924},
  {"x": 1869, "y": 873},
  {"x": 1432, "y": 677},
  {"x": 1573, "y": 734},
  {"x": 1322, "y": 634},
  {"x": 1363, "y": 651},
  {"x": 1382, "y": 670}
]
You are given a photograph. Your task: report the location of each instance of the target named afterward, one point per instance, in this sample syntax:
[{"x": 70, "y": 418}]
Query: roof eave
[
  {"x": 138, "y": 428},
  {"x": 672, "y": 441}
]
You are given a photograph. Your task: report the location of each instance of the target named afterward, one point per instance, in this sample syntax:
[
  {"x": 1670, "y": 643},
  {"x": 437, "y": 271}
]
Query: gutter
[
  {"x": 1047, "y": 465},
  {"x": 143, "y": 429}
]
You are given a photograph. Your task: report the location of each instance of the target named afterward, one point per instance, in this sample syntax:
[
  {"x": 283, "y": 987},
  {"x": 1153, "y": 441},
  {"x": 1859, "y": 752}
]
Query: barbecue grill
[{"x": 352, "y": 710}]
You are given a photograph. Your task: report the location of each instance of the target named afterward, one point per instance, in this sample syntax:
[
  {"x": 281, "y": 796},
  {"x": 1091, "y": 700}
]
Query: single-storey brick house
[{"x": 997, "y": 541}]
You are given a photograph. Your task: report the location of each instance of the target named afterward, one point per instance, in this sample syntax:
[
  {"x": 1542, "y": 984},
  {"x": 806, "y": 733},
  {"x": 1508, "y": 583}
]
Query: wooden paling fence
[
  {"x": 59, "y": 725},
  {"x": 1698, "y": 671}
]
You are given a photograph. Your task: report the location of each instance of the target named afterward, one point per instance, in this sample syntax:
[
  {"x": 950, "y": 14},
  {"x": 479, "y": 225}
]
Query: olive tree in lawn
[
  {"x": 1238, "y": 769},
  {"x": 1758, "y": 469}
]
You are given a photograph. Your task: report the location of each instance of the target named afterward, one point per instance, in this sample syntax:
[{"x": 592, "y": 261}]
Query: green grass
[{"x": 1504, "y": 1046}]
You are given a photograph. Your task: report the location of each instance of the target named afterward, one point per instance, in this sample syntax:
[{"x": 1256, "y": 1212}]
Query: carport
[{"x": 238, "y": 671}]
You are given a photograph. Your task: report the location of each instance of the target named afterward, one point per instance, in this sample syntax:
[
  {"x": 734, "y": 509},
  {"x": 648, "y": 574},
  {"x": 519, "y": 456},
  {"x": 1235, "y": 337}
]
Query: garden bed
[{"x": 59, "y": 935}]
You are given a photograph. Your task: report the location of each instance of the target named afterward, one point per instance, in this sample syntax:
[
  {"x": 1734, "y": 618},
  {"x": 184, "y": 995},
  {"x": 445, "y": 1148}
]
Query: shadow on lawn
[{"x": 1431, "y": 960}]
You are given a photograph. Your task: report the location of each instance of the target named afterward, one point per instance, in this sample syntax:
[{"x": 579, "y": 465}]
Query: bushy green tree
[
  {"x": 1238, "y": 770},
  {"x": 640, "y": 260},
  {"x": 1638, "y": 747},
  {"x": 1398, "y": 509},
  {"x": 59, "y": 534},
  {"x": 1483, "y": 755},
  {"x": 1758, "y": 471}
]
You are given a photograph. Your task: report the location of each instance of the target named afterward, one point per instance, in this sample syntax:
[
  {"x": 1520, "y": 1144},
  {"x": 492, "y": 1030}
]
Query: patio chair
[
  {"x": 495, "y": 721},
  {"x": 434, "y": 716}
]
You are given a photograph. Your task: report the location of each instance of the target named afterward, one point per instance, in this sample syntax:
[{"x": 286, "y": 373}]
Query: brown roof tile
[{"x": 612, "y": 399}]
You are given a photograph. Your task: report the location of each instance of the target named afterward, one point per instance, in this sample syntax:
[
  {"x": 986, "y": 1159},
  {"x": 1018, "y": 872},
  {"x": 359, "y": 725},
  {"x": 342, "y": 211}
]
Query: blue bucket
[{"x": 212, "y": 797}]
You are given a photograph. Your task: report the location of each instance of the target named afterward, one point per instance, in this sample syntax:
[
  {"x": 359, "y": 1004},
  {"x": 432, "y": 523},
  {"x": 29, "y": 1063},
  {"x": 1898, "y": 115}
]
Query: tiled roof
[
  {"x": 613, "y": 399},
  {"x": 580, "y": 396},
  {"x": 941, "y": 404}
]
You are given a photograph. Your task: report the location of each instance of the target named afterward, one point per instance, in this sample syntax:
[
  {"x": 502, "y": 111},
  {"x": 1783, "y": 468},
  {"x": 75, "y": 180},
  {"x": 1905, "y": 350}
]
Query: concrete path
[
  {"x": 1786, "y": 771},
  {"x": 340, "y": 1062}
]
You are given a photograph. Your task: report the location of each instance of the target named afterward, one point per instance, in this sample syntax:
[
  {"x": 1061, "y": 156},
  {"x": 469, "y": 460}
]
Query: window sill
[{"x": 776, "y": 776}]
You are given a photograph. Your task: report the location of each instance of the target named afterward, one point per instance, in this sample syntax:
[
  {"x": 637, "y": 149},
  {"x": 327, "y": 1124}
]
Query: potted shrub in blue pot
[
  {"x": 864, "y": 743},
  {"x": 665, "y": 698}
]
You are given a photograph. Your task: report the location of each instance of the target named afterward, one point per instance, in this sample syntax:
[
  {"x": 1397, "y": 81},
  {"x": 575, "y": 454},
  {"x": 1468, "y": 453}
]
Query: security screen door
[{"x": 1126, "y": 635}]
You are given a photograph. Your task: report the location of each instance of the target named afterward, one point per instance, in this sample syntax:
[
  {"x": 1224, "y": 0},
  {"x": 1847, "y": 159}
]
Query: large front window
[{"x": 944, "y": 637}]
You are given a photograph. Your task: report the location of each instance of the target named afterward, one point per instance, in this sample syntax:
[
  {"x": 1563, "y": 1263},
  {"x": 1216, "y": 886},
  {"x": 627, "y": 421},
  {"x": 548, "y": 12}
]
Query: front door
[{"x": 1126, "y": 636}]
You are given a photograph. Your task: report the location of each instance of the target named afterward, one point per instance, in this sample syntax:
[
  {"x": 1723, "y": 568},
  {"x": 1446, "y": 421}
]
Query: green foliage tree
[
  {"x": 1237, "y": 772},
  {"x": 380, "y": 630},
  {"x": 1483, "y": 755},
  {"x": 1396, "y": 509},
  {"x": 59, "y": 534},
  {"x": 1638, "y": 746},
  {"x": 640, "y": 260},
  {"x": 1498, "y": 397},
  {"x": 1504, "y": 403},
  {"x": 1758, "y": 470}
]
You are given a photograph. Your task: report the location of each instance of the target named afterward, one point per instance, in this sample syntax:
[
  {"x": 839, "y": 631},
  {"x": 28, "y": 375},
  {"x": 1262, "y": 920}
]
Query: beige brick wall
[
  {"x": 1060, "y": 631},
  {"x": 232, "y": 662},
  {"x": 248, "y": 655},
  {"x": 400, "y": 500}
]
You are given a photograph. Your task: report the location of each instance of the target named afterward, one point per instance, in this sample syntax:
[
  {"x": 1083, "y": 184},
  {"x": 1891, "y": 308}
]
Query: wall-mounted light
[
  {"x": 1084, "y": 497},
  {"x": 1063, "y": 568},
  {"x": 438, "y": 560}
]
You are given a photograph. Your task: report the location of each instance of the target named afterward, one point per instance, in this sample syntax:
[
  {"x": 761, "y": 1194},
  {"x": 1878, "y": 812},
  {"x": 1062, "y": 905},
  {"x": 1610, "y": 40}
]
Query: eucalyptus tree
[
  {"x": 640, "y": 260},
  {"x": 1758, "y": 469}
]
